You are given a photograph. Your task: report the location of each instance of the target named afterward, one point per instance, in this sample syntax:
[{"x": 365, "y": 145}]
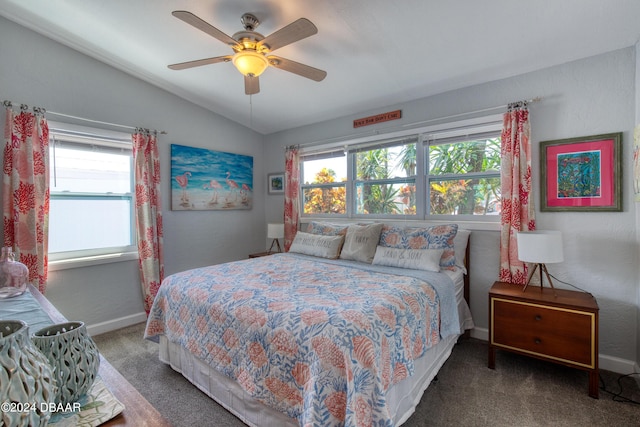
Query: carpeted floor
[{"x": 520, "y": 392}]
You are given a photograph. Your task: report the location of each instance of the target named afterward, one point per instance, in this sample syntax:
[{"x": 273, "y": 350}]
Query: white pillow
[
  {"x": 417, "y": 259},
  {"x": 361, "y": 242},
  {"x": 317, "y": 245}
]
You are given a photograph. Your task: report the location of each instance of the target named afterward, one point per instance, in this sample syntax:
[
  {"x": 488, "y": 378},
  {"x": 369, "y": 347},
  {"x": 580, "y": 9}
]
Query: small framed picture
[
  {"x": 275, "y": 183},
  {"x": 581, "y": 174}
]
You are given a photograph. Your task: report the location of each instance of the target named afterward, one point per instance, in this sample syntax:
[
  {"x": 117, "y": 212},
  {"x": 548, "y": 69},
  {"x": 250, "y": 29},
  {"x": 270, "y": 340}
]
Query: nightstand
[
  {"x": 560, "y": 326},
  {"x": 259, "y": 254}
]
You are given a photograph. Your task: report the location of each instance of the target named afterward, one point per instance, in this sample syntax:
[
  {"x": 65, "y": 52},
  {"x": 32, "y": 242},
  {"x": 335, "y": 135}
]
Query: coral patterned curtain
[
  {"x": 518, "y": 212},
  {"x": 25, "y": 190},
  {"x": 291, "y": 195},
  {"x": 148, "y": 213}
]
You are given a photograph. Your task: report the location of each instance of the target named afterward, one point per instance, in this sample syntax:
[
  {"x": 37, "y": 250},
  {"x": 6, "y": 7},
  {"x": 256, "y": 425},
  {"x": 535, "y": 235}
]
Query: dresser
[
  {"x": 559, "y": 326},
  {"x": 138, "y": 411}
]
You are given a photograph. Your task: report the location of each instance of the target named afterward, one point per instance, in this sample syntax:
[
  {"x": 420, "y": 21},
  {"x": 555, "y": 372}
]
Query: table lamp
[
  {"x": 540, "y": 248},
  {"x": 275, "y": 232}
]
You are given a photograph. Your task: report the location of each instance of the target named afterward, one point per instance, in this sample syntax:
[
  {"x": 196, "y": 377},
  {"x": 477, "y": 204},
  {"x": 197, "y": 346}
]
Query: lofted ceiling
[{"x": 376, "y": 52}]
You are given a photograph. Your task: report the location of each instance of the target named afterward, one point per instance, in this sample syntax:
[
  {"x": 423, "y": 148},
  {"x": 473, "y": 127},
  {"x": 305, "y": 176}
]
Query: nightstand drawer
[{"x": 566, "y": 335}]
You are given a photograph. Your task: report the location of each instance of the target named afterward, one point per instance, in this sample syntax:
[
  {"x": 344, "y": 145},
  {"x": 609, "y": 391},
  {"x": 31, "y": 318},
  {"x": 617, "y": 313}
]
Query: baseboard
[
  {"x": 615, "y": 364},
  {"x": 609, "y": 363},
  {"x": 112, "y": 325},
  {"x": 480, "y": 333}
]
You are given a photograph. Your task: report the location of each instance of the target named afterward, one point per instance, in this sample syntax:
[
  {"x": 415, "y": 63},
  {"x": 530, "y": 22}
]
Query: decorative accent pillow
[
  {"x": 361, "y": 242},
  {"x": 417, "y": 259},
  {"x": 326, "y": 228},
  {"x": 436, "y": 237},
  {"x": 317, "y": 245}
]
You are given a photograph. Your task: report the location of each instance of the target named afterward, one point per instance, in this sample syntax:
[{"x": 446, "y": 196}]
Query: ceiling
[{"x": 376, "y": 52}]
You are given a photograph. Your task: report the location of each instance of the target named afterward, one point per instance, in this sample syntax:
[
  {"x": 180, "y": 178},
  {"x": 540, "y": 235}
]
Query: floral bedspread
[{"x": 319, "y": 341}]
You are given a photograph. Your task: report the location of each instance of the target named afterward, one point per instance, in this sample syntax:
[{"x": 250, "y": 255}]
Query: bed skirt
[{"x": 402, "y": 398}]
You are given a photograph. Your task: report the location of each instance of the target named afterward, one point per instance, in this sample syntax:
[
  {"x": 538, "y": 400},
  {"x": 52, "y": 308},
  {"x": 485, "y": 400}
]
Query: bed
[{"x": 333, "y": 332}]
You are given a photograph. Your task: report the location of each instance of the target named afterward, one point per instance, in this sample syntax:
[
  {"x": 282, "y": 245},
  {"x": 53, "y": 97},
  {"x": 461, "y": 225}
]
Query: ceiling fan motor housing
[{"x": 249, "y": 22}]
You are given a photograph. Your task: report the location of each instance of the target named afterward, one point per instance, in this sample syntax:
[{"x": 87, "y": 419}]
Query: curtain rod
[
  {"x": 377, "y": 131},
  {"x": 100, "y": 122},
  {"x": 39, "y": 110},
  {"x": 526, "y": 101}
]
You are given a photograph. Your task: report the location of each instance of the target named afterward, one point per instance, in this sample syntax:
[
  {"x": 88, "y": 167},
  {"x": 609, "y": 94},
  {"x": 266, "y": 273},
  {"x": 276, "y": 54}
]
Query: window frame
[
  {"x": 451, "y": 137},
  {"x": 385, "y": 143},
  {"x": 303, "y": 186},
  {"x": 425, "y": 135},
  {"x": 94, "y": 137}
]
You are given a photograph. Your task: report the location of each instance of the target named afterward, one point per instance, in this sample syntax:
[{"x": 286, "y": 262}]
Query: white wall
[
  {"x": 39, "y": 72},
  {"x": 587, "y": 97},
  {"x": 637, "y": 123}
]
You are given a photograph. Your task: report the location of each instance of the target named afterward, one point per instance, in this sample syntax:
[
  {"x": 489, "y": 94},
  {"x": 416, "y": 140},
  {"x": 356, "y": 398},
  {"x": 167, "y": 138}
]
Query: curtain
[
  {"x": 517, "y": 202},
  {"x": 25, "y": 190},
  {"x": 291, "y": 195},
  {"x": 148, "y": 211}
]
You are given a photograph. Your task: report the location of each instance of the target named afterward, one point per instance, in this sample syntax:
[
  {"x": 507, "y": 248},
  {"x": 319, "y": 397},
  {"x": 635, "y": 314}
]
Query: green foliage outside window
[
  {"x": 478, "y": 194},
  {"x": 463, "y": 178}
]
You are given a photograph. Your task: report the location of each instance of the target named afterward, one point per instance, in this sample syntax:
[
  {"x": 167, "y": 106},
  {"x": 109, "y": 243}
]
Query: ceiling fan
[{"x": 252, "y": 50}]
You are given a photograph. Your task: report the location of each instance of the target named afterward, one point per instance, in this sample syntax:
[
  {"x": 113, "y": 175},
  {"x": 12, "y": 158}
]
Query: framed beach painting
[
  {"x": 203, "y": 179},
  {"x": 581, "y": 174}
]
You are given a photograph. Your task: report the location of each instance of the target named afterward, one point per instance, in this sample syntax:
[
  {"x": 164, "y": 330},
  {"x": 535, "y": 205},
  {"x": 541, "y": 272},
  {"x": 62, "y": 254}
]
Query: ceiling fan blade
[
  {"x": 297, "y": 68},
  {"x": 193, "y": 20},
  {"x": 251, "y": 85},
  {"x": 293, "y": 32},
  {"x": 200, "y": 62}
]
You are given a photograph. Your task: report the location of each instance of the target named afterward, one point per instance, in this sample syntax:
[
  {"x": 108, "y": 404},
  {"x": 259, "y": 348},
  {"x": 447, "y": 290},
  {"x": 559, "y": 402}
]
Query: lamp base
[
  {"x": 277, "y": 243},
  {"x": 543, "y": 268}
]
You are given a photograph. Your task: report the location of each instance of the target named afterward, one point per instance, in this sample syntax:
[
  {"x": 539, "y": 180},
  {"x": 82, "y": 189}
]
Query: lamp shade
[
  {"x": 250, "y": 62},
  {"x": 275, "y": 231},
  {"x": 540, "y": 247}
]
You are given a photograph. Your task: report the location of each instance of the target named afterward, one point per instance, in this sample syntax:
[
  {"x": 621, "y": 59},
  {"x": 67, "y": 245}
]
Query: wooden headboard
[{"x": 467, "y": 264}]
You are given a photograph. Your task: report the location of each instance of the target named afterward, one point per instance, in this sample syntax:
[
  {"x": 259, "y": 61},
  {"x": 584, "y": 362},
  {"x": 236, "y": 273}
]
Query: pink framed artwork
[{"x": 581, "y": 174}]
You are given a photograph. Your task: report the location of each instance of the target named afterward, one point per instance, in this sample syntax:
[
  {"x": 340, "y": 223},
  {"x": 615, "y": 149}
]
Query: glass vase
[
  {"x": 27, "y": 388},
  {"x": 13, "y": 275},
  {"x": 74, "y": 357}
]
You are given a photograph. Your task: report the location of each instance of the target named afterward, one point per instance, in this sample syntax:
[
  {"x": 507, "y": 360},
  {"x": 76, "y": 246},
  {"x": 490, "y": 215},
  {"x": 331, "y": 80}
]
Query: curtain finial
[{"x": 517, "y": 105}]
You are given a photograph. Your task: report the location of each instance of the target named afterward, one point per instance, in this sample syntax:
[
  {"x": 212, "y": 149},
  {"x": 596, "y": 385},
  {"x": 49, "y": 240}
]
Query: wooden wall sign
[{"x": 378, "y": 118}]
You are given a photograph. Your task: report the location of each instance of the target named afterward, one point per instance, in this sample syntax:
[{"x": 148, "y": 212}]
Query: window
[
  {"x": 91, "y": 203},
  {"x": 324, "y": 183},
  {"x": 385, "y": 181},
  {"x": 464, "y": 175},
  {"x": 438, "y": 172}
]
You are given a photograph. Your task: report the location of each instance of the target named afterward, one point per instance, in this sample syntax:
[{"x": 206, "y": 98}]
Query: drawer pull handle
[
  {"x": 538, "y": 317},
  {"x": 537, "y": 340}
]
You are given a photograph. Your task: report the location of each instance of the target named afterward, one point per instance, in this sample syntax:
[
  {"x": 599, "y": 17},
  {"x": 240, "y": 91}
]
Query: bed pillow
[
  {"x": 317, "y": 245},
  {"x": 436, "y": 237},
  {"x": 417, "y": 259},
  {"x": 326, "y": 228},
  {"x": 361, "y": 242}
]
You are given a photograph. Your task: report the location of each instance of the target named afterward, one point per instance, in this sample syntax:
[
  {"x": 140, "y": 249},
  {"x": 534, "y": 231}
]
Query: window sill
[
  {"x": 487, "y": 225},
  {"x": 89, "y": 261}
]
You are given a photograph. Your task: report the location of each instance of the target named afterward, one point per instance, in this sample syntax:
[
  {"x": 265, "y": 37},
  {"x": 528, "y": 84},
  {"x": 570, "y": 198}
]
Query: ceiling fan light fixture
[{"x": 250, "y": 63}]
